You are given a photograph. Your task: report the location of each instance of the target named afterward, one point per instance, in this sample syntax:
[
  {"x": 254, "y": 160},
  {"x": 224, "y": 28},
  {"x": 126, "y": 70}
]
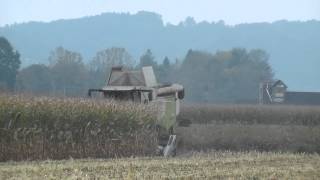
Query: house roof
[{"x": 279, "y": 82}]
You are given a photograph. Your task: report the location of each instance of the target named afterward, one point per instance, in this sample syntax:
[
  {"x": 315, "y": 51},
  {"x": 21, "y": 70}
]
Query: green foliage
[
  {"x": 68, "y": 72},
  {"x": 9, "y": 64},
  {"x": 166, "y": 63},
  {"x": 227, "y": 76},
  {"x": 36, "y": 79},
  {"x": 147, "y": 59},
  {"x": 164, "y": 72}
]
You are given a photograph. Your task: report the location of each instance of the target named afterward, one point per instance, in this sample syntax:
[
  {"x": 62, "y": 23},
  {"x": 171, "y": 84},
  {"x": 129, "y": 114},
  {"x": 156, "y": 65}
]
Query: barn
[{"x": 275, "y": 92}]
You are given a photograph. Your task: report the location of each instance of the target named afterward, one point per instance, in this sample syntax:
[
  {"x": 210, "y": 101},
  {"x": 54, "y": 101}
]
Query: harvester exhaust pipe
[
  {"x": 174, "y": 88},
  {"x": 170, "y": 149}
]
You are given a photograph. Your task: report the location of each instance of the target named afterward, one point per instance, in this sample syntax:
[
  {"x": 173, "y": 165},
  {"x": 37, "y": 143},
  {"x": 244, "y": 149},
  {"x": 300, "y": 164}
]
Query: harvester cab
[{"x": 141, "y": 87}]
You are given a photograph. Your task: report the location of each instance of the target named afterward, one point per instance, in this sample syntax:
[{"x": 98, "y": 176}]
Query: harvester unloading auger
[{"x": 142, "y": 87}]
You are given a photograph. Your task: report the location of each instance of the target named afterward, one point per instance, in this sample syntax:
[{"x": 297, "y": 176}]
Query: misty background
[{"x": 216, "y": 60}]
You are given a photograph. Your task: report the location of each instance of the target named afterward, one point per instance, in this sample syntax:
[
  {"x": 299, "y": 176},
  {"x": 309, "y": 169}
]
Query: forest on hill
[{"x": 293, "y": 46}]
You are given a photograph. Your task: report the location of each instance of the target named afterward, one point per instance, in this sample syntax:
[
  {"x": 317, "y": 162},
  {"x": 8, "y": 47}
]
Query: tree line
[{"x": 231, "y": 76}]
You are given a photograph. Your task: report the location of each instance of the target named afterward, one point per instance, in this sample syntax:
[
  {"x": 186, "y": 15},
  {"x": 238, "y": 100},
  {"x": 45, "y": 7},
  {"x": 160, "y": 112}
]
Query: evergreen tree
[
  {"x": 9, "y": 64},
  {"x": 147, "y": 59}
]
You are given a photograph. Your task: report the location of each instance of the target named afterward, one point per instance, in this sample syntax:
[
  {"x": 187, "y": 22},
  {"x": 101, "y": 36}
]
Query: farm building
[{"x": 275, "y": 92}]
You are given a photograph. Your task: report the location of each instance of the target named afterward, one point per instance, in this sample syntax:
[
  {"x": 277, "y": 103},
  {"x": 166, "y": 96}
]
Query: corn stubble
[
  {"x": 251, "y": 127},
  {"x": 52, "y": 128},
  {"x": 212, "y": 165},
  {"x": 251, "y": 114}
]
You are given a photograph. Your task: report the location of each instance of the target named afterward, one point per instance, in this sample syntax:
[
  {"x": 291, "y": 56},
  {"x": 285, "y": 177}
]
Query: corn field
[
  {"x": 33, "y": 128},
  {"x": 52, "y": 128}
]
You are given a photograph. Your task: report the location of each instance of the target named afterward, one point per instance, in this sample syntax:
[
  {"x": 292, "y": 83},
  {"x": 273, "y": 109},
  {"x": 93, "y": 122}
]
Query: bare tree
[
  {"x": 69, "y": 72},
  {"x": 100, "y": 65}
]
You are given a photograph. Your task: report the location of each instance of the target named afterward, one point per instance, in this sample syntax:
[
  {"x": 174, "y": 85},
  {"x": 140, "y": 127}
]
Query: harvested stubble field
[
  {"x": 213, "y": 165},
  {"x": 251, "y": 127},
  {"x": 251, "y": 114}
]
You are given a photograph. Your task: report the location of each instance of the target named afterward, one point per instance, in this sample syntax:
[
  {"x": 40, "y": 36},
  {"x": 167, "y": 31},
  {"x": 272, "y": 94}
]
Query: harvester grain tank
[{"x": 141, "y": 86}]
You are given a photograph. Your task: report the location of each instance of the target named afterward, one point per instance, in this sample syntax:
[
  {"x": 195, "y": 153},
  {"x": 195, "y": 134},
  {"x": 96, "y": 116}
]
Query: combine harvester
[{"x": 142, "y": 87}]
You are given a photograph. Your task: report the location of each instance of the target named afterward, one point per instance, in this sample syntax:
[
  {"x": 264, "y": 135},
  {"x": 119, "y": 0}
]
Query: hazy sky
[{"x": 173, "y": 11}]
